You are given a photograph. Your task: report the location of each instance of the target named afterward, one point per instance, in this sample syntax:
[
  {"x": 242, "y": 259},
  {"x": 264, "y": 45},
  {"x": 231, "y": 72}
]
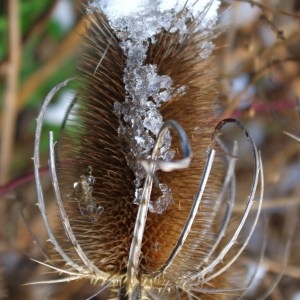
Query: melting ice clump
[{"x": 136, "y": 23}]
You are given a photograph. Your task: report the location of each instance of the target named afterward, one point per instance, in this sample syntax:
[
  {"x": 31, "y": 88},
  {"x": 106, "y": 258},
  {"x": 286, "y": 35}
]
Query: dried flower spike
[{"x": 139, "y": 210}]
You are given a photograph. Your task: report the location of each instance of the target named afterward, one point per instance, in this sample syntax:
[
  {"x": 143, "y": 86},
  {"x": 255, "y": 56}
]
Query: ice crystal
[
  {"x": 162, "y": 203},
  {"x": 140, "y": 117},
  {"x": 83, "y": 194}
]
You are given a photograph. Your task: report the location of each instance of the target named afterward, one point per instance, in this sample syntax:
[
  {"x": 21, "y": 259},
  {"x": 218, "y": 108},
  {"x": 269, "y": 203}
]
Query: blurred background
[{"x": 258, "y": 53}]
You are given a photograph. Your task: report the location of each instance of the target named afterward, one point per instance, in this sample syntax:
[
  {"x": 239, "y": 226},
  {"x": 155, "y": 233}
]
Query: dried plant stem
[
  {"x": 10, "y": 110},
  {"x": 257, "y": 264},
  {"x": 40, "y": 194},
  {"x": 151, "y": 166},
  {"x": 191, "y": 217},
  {"x": 292, "y": 136},
  {"x": 10, "y": 98},
  {"x": 229, "y": 180},
  {"x": 90, "y": 271},
  {"x": 64, "y": 218},
  {"x": 290, "y": 228},
  {"x": 257, "y": 173},
  {"x": 3, "y": 291},
  {"x": 271, "y": 204},
  {"x": 65, "y": 50},
  {"x": 290, "y": 271},
  {"x": 103, "y": 288},
  {"x": 263, "y": 7},
  {"x": 40, "y": 24},
  {"x": 17, "y": 182},
  {"x": 235, "y": 101}
]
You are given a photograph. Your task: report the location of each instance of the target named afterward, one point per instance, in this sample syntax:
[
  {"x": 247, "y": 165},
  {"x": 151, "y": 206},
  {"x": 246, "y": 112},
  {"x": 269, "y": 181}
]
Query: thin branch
[
  {"x": 263, "y": 7},
  {"x": 235, "y": 101},
  {"x": 290, "y": 229},
  {"x": 41, "y": 22},
  {"x": 290, "y": 271},
  {"x": 296, "y": 138},
  {"x": 103, "y": 288},
  {"x": 65, "y": 50},
  {"x": 19, "y": 181},
  {"x": 10, "y": 99}
]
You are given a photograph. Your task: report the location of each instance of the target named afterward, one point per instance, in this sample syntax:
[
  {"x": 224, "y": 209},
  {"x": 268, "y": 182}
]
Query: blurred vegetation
[{"x": 41, "y": 38}]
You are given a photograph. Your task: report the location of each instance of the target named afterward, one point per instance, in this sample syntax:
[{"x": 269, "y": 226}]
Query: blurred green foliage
[{"x": 37, "y": 48}]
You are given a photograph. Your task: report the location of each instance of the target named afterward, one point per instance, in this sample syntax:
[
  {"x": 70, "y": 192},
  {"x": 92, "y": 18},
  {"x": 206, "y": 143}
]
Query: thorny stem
[
  {"x": 136, "y": 244},
  {"x": 229, "y": 180},
  {"x": 40, "y": 195},
  {"x": 258, "y": 172},
  {"x": 72, "y": 275},
  {"x": 151, "y": 166},
  {"x": 191, "y": 217},
  {"x": 64, "y": 218},
  {"x": 271, "y": 204}
]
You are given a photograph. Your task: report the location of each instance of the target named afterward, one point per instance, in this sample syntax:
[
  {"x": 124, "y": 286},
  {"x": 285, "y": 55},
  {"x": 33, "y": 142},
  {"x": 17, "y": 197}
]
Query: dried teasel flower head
[{"x": 138, "y": 214}]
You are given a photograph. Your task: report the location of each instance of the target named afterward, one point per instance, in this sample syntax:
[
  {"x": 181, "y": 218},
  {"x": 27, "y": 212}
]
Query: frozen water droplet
[
  {"x": 163, "y": 187},
  {"x": 169, "y": 155},
  {"x": 138, "y": 196},
  {"x": 139, "y": 140},
  {"x": 162, "y": 203}
]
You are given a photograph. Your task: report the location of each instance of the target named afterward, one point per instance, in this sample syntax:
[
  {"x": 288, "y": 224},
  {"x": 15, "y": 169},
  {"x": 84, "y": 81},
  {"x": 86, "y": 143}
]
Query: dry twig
[
  {"x": 10, "y": 100},
  {"x": 64, "y": 51}
]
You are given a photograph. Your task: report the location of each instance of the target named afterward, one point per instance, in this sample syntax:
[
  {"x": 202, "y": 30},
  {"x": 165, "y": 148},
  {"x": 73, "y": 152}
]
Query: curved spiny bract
[{"x": 97, "y": 185}]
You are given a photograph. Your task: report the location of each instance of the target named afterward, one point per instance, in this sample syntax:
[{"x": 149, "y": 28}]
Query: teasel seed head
[{"x": 114, "y": 237}]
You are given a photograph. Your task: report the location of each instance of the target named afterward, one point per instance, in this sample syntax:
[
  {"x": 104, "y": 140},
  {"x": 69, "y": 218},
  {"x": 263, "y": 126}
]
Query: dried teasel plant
[{"x": 145, "y": 212}]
